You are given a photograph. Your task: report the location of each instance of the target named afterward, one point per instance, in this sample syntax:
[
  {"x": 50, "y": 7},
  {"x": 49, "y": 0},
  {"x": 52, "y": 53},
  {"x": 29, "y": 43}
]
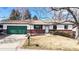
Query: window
[
  {"x": 54, "y": 27},
  {"x": 65, "y": 26},
  {"x": 37, "y": 26}
]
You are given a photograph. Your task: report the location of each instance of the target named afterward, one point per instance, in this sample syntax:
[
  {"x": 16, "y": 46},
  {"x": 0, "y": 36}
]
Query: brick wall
[{"x": 36, "y": 31}]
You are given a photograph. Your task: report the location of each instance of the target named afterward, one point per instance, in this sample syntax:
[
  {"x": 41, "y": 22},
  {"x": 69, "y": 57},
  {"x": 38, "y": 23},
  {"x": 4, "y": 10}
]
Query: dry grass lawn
[{"x": 52, "y": 42}]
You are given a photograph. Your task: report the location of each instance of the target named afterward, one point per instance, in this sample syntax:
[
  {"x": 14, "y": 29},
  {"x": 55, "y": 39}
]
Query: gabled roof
[
  {"x": 15, "y": 22},
  {"x": 39, "y": 22},
  {"x": 23, "y": 22},
  {"x": 59, "y": 22}
]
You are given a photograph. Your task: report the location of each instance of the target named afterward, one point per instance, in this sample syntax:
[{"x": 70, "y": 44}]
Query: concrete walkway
[{"x": 12, "y": 42}]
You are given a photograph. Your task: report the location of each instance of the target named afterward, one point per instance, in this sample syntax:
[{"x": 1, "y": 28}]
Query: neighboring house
[{"x": 37, "y": 26}]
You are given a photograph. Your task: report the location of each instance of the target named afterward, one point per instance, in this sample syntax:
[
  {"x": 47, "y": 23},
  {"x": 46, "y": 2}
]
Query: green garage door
[{"x": 16, "y": 29}]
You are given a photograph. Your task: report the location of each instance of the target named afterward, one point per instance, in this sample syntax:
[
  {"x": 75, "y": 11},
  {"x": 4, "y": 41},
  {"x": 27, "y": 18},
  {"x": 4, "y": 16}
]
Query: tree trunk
[
  {"x": 28, "y": 42},
  {"x": 28, "y": 37}
]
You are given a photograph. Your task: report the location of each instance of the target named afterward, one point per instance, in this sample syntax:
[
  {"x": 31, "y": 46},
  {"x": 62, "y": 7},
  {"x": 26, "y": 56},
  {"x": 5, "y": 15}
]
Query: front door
[
  {"x": 54, "y": 27},
  {"x": 46, "y": 29}
]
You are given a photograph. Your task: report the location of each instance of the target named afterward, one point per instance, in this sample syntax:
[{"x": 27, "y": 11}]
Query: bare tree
[
  {"x": 35, "y": 17},
  {"x": 68, "y": 9},
  {"x": 15, "y": 15},
  {"x": 73, "y": 11}
]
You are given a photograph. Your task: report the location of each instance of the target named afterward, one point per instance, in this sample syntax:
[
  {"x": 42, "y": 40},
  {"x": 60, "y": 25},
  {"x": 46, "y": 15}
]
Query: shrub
[{"x": 63, "y": 34}]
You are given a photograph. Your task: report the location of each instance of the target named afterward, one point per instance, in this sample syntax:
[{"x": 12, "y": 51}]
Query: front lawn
[{"x": 52, "y": 42}]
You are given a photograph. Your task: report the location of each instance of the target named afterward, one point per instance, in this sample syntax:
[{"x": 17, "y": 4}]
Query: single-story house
[{"x": 37, "y": 26}]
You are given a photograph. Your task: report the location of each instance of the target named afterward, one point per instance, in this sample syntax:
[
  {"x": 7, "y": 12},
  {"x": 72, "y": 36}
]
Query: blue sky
[{"x": 41, "y": 12}]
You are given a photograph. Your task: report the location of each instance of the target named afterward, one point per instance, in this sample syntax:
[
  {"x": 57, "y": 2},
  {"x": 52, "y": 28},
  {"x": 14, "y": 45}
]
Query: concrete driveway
[{"x": 12, "y": 42}]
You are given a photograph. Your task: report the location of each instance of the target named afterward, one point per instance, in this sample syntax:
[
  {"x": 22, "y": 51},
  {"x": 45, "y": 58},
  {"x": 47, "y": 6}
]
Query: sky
[{"x": 40, "y": 12}]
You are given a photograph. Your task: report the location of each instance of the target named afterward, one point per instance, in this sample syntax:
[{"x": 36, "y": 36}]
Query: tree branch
[{"x": 68, "y": 9}]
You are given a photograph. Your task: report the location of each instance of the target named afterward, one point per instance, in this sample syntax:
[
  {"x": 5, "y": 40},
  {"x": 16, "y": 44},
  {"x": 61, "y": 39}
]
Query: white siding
[
  {"x": 43, "y": 27},
  {"x": 51, "y": 27},
  {"x": 28, "y": 26},
  {"x": 60, "y": 27},
  {"x": 5, "y": 26},
  {"x": 70, "y": 27}
]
